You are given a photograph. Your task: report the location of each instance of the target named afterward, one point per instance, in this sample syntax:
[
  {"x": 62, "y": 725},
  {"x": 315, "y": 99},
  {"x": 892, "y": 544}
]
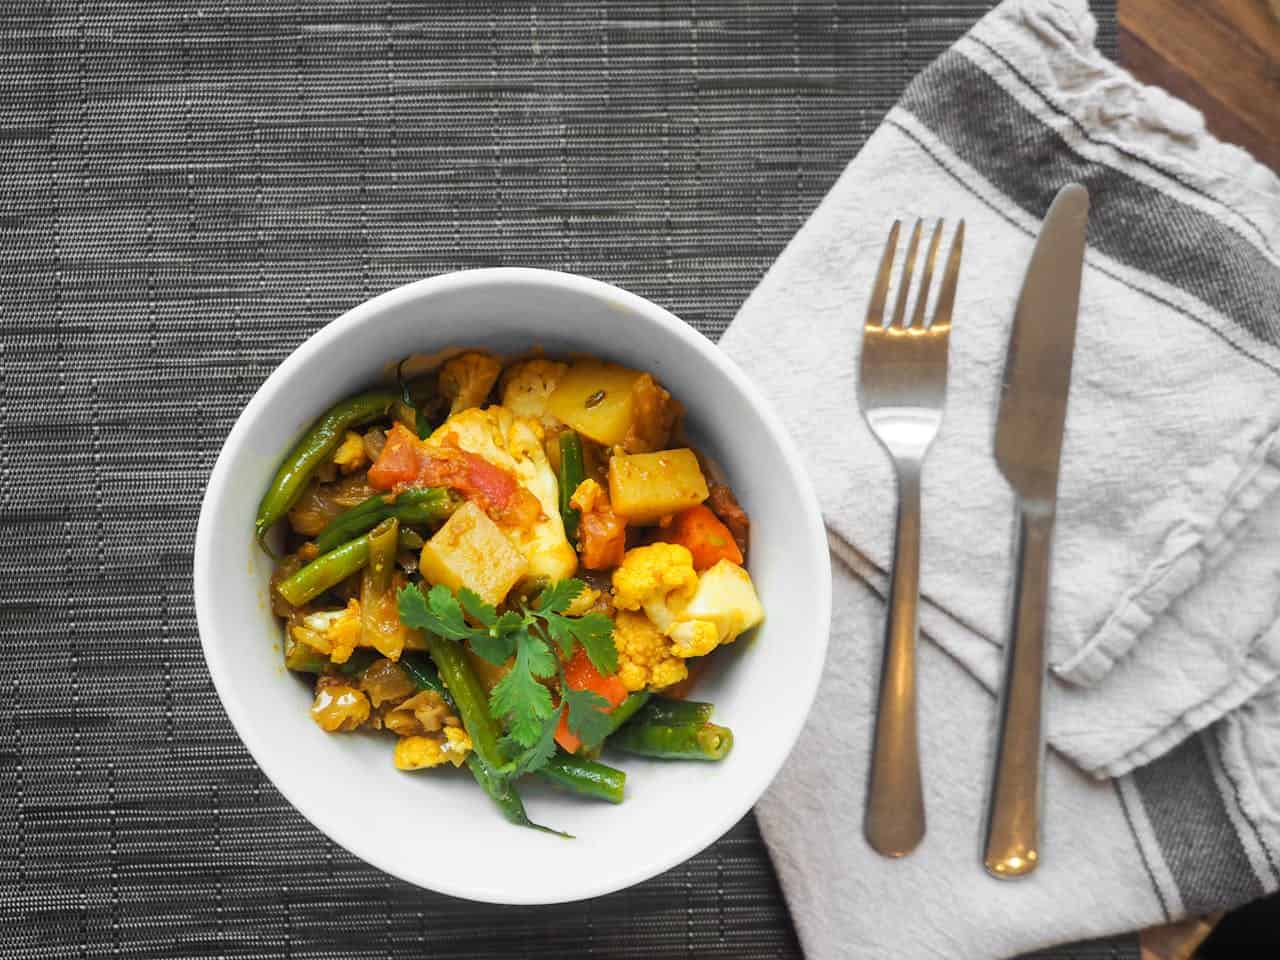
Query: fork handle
[
  {"x": 1013, "y": 822},
  {"x": 895, "y": 798}
]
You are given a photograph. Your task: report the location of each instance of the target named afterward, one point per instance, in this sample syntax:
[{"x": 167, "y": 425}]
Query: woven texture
[{"x": 190, "y": 191}]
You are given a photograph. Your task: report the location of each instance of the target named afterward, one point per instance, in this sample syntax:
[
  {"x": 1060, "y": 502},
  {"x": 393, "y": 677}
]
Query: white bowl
[{"x": 435, "y": 828}]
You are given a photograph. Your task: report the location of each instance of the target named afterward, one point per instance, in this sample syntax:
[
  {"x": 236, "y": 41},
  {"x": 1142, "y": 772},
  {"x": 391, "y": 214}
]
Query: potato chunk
[
  {"x": 596, "y": 399},
  {"x": 471, "y": 551},
  {"x": 644, "y": 487}
]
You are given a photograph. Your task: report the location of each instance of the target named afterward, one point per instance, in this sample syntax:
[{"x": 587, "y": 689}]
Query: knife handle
[
  {"x": 894, "y": 822},
  {"x": 1013, "y": 822}
]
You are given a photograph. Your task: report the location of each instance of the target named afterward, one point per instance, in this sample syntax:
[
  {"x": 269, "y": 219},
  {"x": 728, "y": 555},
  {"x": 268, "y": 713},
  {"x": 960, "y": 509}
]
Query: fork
[{"x": 901, "y": 388}]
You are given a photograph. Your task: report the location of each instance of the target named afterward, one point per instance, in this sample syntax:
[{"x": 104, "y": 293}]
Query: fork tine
[
  {"x": 908, "y": 267},
  {"x": 922, "y": 298},
  {"x": 947, "y": 295},
  {"x": 880, "y": 292}
]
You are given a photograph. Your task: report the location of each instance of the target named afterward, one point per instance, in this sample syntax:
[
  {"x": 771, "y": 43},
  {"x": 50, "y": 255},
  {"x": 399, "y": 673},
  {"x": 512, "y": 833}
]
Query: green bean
[
  {"x": 424, "y": 674},
  {"x": 325, "y": 571},
  {"x": 505, "y": 796},
  {"x": 315, "y": 447},
  {"x": 330, "y": 569},
  {"x": 673, "y": 712},
  {"x": 301, "y": 658},
  {"x": 481, "y": 729},
  {"x": 627, "y": 709},
  {"x": 585, "y": 776},
  {"x": 571, "y": 474},
  {"x": 686, "y": 741},
  {"x": 472, "y": 705},
  {"x": 469, "y": 697},
  {"x": 619, "y": 715},
  {"x": 428, "y": 505}
]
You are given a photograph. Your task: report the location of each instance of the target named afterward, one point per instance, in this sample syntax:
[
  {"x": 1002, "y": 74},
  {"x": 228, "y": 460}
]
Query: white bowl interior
[{"x": 434, "y": 828}]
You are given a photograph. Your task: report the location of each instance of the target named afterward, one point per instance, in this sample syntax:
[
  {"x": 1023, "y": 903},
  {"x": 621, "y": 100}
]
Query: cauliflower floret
[
  {"x": 350, "y": 455},
  {"x": 414, "y": 753},
  {"x": 658, "y": 579},
  {"x": 515, "y": 444},
  {"x": 527, "y": 385},
  {"x": 693, "y": 638},
  {"x": 335, "y": 633},
  {"x": 467, "y": 379},
  {"x": 696, "y": 613},
  {"x": 424, "y": 712},
  {"x": 645, "y": 658},
  {"x": 725, "y": 597},
  {"x": 338, "y": 705}
]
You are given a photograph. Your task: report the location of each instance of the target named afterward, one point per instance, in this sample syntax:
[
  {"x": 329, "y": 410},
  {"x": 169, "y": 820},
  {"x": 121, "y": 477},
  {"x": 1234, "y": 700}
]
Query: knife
[{"x": 1028, "y": 448}]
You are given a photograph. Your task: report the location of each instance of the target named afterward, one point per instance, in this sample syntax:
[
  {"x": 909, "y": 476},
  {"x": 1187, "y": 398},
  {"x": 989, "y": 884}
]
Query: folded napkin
[{"x": 1165, "y": 604}]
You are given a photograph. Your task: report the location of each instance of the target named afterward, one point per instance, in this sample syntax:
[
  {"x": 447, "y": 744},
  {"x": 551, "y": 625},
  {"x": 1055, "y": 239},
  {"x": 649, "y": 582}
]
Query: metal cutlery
[
  {"x": 902, "y": 385},
  {"x": 1028, "y": 447}
]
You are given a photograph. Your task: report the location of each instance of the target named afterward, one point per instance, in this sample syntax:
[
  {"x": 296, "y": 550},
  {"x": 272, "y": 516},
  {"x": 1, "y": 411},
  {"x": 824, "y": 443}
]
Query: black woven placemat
[{"x": 189, "y": 190}]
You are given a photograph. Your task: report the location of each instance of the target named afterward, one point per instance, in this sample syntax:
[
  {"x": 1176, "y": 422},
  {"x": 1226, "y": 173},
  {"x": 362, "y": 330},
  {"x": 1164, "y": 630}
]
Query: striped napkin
[{"x": 1163, "y": 792}]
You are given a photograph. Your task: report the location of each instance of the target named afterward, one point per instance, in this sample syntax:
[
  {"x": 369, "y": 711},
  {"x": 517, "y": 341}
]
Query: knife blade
[
  {"x": 1037, "y": 373},
  {"x": 1028, "y": 451}
]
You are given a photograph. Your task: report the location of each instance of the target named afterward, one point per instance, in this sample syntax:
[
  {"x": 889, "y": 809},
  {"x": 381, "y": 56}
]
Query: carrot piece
[
  {"x": 580, "y": 674},
  {"x": 702, "y": 533},
  {"x": 568, "y": 740},
  {"x": 602, "y": 534}
]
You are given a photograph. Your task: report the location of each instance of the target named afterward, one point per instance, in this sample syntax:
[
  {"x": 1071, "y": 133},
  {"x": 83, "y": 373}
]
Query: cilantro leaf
[
  {"x": 498, "y": 642},
  {"x": 444, "y": 607},
  {"x": 493, "y": 645},
  {"x": 476, "y": 608},
  {"x": 412, "y": 606},
  {"x": 594, "y": 632},
  {"x": 557, "y": 597},
  {"x": 438, "y": 612},
  {"x": 588, "y": 715},
  {"x": 537, "y": 754},
  {"x": 542, "y": 662},
  {"x": 559, "y": 630},
  {"x": 508, "y": 622},
  {"x": 519, "y": 697}
]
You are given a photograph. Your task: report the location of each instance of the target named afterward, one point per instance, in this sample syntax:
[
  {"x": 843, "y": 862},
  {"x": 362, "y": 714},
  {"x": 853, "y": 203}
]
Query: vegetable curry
[{"x": 509, "y": 567}]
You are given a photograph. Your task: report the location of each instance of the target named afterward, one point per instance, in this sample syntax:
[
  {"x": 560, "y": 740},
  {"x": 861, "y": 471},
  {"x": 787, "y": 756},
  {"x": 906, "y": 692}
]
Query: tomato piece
[
  {"x": 398, "y": 463},
  {"x": 407, "y": 462}
]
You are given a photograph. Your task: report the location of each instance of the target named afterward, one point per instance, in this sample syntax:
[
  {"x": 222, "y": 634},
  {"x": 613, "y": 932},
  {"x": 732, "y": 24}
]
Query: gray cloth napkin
[{"x": 1165, "y": 611}]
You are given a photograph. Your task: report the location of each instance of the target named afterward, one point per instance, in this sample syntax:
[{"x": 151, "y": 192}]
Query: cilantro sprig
[{"x": 528, "y": 637}]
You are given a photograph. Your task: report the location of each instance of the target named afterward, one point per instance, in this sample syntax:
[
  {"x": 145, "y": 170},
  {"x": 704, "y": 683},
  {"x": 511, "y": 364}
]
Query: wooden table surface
[{"x": 1222, "y": 57}]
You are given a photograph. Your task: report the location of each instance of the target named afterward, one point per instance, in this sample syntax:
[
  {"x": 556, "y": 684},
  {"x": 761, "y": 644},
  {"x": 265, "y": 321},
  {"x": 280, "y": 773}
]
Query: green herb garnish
[{"x": 520, "y": 699}]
